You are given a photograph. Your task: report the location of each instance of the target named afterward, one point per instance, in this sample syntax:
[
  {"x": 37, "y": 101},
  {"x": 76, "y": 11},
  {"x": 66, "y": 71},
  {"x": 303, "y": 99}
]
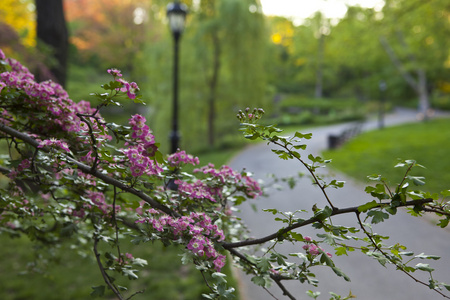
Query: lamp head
[{"x": 176, "y": 13}]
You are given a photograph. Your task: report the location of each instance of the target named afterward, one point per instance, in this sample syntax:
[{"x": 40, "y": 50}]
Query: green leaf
[
  {"x": 322, "y": 214},
  {"x": 220, "y": 277},
  {"x": 417, "y": 180},
  {"x": 282, "y": 154},
  {"x": 313, "y": 294},
  {"x": 280, "y": 258},
  {"x": 303, "y": 135},
  {"x": 445, "y": 193},
  {"x": 377, "y": 216},
  {"x": 368, "y": 206},
  {"x": 316, "y": 159},
  {"x": 329, "y": 238},
  {"x": 336, "y": 183},
  {"x": 264, "y": 264},
  {"x": 392, "y": 210},
  {"x": 447, "y": 286},
  {"x": 297, "y": 236},
  {"x": 341, "y": 251},
  {"x": 424, "y": 256},
  {"x": 325, "y": 259},
  {"x": 140, "y": 262},
  {"x": 69, "y": 229},
  {"x": 130, "y": 273},
  {"x": 340, "y": 273},
  {"x": 272, "y": 210},
  {"x": 303, "y": 147},
  {"x": 443, "y": 222},
  {"x": 424, "y": 267},
  {"x": 98, "y": 291},
  {"x": 259, "y": 280}
]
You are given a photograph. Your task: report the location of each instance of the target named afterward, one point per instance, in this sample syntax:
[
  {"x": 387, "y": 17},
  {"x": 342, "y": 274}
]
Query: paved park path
[{"x": 369, "y": 280}]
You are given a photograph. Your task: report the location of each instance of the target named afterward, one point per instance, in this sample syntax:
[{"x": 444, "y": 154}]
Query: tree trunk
[
  {"x": 212, "y": 89},
  {"x": 52, "y": 31},
  {"x": 319, "y": 72},
  {"x": 422, "y": 90},
  {"x": 419, "y": 84}
]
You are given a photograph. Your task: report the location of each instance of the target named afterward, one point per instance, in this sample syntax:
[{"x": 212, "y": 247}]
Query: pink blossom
[
  {"x": 182, "y": 157},
  {"x": 196, "y": 244},
  {"x": 115, "y": 72},
  {"x": 219, "y": 262}
]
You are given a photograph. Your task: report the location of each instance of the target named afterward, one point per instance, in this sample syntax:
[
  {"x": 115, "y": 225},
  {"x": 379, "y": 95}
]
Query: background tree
[
  {"x": 415, "y": 37},
  {"x": 355, "y": 55},
  {"x": 104, "y": 32},
  {"x": 52, "y": 31},
  {"x": 222, "y": 57}
]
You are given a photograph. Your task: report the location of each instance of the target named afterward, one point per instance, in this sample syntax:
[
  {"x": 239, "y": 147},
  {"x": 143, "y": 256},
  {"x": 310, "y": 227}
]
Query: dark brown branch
[
  {"x": 283, "y": 288},
  {"x": 335, "y": 212},
  {"x": 88, "y": 170},
  {"x": 102, "y": 270},
  {"x": 436, "y": 211}
]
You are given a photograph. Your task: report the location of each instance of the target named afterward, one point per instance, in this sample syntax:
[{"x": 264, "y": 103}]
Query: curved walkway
[{"x": 370, "y": 280}]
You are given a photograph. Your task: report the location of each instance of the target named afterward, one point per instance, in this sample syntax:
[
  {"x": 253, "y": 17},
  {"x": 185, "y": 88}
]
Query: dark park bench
[{"x": 337, "y": 140}]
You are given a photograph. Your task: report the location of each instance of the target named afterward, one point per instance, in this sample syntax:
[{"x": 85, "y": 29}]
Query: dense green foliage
[{"x": 23, "y": 273}]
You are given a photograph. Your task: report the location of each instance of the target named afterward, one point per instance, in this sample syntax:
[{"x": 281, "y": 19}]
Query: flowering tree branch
[{"x": 91, "y": 188}]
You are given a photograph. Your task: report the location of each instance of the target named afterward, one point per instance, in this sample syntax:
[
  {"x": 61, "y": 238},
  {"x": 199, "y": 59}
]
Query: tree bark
[
  {"x": 319, "y": 71},
  {"x": 52, "y": 31},
  {"x": 213, "y": 88},
  {"x": 419, "y": 84}
]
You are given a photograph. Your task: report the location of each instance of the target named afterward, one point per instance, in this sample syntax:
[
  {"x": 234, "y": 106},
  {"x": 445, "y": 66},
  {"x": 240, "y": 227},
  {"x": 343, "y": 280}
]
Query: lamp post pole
[
  {"x": 175, "y": 135},
  {"x": 176, "y": 13},
  {"x": 382, "y": 86}
]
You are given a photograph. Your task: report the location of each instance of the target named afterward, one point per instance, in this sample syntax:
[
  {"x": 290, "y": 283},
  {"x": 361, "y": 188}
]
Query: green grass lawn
[
  {"x": 70, "y": 276},
  {"x": 377, "y": 152}
]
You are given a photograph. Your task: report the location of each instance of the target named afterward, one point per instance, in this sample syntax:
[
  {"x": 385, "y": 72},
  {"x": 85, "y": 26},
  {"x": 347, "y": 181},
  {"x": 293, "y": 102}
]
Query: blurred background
[{"x": 306, "y": 63}]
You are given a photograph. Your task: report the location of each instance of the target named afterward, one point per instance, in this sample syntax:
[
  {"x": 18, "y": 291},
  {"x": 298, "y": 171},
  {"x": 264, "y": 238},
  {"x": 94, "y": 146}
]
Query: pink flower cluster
[
  {"x": 50, "y": 98},
  {"x": 312, "y": 248},
  {"x": 94, "y": 200},
  {"x": 198, "y": 190},
  {"x": 197, "y": 227},
  {"x": 23, "y": 165},
  {"x": 179, "y": 157},
  {"x": 122, "y": 260},
  {"x": 54, "y": 143},
  {"x": 141, "y": 148},
  {"x": 129, "y": 88},
  {"x": 227, "y": 175}
]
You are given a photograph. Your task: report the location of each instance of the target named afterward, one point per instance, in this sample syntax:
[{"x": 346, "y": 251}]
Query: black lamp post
[
  {"x": 176, "y": 13},
  {"x": 383, "y": 87}
]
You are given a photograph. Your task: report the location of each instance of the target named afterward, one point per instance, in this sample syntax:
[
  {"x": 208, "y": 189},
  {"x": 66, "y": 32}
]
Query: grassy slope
[{"x": 378, "y": 151}]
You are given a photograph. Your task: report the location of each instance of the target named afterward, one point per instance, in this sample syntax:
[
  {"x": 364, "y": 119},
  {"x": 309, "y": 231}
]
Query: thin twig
[
  {"x": 115, "y": 223},
  {"x": 102, "y": 270},
  {"x": 391, "y": 260},
  {"x": 335, "y": 212}
]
